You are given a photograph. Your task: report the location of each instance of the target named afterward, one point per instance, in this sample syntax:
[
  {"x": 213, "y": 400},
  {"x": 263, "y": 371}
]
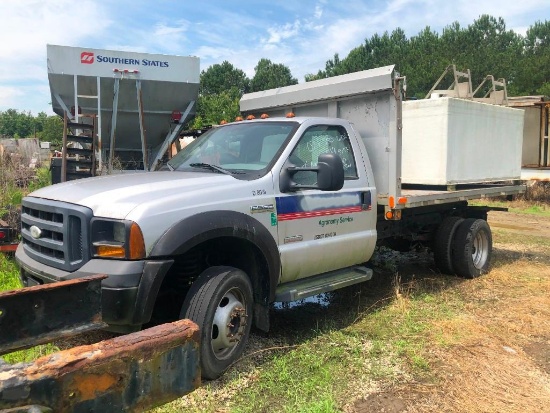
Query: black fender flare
[{"x": 196, "y": 229}]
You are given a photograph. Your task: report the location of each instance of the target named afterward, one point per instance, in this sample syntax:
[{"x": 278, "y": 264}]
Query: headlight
[{"x": 117, "y": 239}]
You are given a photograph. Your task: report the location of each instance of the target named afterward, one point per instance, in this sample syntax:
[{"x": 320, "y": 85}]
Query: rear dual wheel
[
  {"x": 463, "y": 247},
  {"x": 472, "y": 248},
  {"x": 443, "y": 245}
]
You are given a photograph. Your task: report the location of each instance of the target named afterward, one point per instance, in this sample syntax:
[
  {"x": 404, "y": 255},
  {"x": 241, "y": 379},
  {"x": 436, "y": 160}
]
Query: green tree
[
  {"x": 374, "y": 52},
  {"x": 17, "y": 124},
  {"x": 534, "y": 77},
  {"x": 330, "y": 66},
  {"x": 425, "y": 62},
  {"x": 223, "y": 77},
  {"x": 268, "y": 75},
  {"x": 212, "y": 109},
  {"x": 486, "y": 47},
  {"x": 52, "y": 129}
]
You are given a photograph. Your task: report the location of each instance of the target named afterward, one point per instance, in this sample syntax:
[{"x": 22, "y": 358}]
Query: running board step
[{"x": 330, "y": 281}]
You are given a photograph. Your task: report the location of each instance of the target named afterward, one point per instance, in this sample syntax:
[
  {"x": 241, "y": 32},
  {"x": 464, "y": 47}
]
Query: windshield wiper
[{"x": 213, "y": 168}]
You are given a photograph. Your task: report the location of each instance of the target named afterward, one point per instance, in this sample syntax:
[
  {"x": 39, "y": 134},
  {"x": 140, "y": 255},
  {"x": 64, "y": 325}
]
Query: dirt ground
[
  {"x": 503, "y": 362},
  {"x": 531, "y": 225}
]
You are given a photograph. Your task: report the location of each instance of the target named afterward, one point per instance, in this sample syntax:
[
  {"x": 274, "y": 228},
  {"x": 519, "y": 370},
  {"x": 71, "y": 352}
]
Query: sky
[{"x": 301, "y": 34}]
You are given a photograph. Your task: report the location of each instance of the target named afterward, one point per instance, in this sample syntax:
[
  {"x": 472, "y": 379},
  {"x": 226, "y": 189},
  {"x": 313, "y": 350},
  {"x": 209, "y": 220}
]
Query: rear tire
[
  {"x": 220, "y": 303},
  {"x": 443, "y": 244},
  {"x": 472, "y": 248}
]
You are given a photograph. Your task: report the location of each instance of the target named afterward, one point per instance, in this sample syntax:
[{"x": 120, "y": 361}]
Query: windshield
[{"x": 246, "y": 149}]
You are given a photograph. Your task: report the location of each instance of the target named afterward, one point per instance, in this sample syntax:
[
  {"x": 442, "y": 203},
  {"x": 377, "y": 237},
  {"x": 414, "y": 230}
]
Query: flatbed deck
[{"x": 418, "y": 195}]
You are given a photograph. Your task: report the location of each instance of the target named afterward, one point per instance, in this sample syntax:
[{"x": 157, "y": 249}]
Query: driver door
[{"x": 320, "y": 231}]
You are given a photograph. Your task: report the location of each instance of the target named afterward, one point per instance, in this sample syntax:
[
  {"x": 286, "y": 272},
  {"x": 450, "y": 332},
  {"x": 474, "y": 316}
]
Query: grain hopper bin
[{"x": 139, "y": 102}]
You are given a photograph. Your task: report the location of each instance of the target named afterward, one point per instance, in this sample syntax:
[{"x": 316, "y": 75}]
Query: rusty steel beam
[
  {"x": 129, "y": 373},
  {"x": 43, "y": 313}
]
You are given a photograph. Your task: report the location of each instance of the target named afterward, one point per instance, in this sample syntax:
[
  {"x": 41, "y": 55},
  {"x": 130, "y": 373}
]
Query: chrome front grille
[{"x": 55, "y": 233}]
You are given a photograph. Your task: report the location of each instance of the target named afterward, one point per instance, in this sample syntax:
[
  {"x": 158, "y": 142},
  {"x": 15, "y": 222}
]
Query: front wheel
[
  {"x": 220, "y": 302},
  {"x": 472, "y": 248}
]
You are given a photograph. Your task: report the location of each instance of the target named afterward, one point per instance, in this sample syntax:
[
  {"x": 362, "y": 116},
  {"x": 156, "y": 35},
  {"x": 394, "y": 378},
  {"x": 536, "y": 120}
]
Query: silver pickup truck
[{"x": 276, "y": 208}]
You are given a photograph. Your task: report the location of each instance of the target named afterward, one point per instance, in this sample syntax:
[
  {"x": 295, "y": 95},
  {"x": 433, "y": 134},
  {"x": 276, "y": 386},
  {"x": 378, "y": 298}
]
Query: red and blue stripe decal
[{"x": 296, "y": 206}]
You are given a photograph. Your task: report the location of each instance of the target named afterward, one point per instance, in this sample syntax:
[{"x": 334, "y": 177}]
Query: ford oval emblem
[{"x": 35, "y": 232}]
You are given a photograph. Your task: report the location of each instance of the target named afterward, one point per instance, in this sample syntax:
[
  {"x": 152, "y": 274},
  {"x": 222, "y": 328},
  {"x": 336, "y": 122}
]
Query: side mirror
[{"x": 330, "y": 175}]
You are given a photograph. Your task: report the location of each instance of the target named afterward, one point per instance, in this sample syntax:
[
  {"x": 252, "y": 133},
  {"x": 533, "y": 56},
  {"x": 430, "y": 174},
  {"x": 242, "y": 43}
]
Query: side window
[{"x": 316, "y": 141}]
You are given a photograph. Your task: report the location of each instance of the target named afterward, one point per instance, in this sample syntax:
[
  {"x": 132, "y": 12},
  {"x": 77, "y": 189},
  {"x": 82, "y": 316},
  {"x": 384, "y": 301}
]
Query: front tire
[
  {"x": 220, "y": 303},
  {"x": 472, "y": 248}
]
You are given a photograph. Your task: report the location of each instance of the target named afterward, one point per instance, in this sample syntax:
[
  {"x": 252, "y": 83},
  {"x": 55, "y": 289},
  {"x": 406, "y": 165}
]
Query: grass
[
  {"x": 386, "y": 343},
  {"x": 16, "y": 182},
  {"x": 503, "y": 236},
  {"x": 9, "y": 274}
]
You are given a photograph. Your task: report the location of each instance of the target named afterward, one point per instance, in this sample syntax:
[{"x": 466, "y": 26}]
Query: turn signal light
[
  {"x": 111, "y": 251},
  {"x": 137, "y": 245}
]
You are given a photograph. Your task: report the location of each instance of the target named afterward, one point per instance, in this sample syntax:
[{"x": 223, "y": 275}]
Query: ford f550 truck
[{"x": 285, "y": 206}]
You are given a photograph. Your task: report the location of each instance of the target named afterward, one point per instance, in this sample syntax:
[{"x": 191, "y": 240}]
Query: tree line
[
  {"x": 485, "y": 47},
  {"x": 20, "y": 124}
]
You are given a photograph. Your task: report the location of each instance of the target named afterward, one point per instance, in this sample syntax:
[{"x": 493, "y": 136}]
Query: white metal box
[{"x": 453, "y": 141}]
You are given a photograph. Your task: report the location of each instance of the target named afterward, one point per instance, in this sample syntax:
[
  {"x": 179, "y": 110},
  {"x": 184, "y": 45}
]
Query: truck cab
[{"x": 279, "y": 200}]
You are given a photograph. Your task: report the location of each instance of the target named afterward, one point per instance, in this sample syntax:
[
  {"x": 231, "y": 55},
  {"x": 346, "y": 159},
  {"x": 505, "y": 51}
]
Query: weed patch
[{"x": 9, "y": 274}]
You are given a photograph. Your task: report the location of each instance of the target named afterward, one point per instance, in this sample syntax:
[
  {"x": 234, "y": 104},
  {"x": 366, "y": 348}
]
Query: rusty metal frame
[
  {"x": 130, "y": 373},
  {"x": 40, "y": 314}
]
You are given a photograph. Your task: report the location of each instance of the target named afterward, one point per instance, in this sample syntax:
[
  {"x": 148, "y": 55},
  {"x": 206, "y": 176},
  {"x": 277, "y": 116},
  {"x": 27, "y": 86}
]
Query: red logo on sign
[{"x": 86, "y": 58}]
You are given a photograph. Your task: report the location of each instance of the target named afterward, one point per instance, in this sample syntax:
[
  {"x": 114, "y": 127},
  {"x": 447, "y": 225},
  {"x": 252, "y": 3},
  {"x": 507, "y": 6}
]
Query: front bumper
[{"x": 128, "y": 294}]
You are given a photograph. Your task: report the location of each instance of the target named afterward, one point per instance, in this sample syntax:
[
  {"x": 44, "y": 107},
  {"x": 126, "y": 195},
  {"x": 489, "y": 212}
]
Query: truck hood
[{"x": 115, "y": 196}]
